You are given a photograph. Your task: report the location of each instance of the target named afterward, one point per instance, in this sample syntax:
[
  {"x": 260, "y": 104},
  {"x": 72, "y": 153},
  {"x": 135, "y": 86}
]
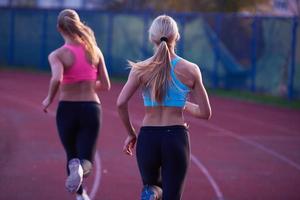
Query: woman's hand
[
  {"x": 129, "y": 144},
  {"x": 46, "y": 103}
]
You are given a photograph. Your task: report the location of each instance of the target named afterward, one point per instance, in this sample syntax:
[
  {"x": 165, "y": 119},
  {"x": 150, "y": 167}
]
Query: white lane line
[
  {"x": 97, "y": 179},
  {"x": 96, "y": 183},
  {"x": 194, "y": 159},
  {"x": 261, "y": 123},
  {"x": 211, "y": 180},
  {"x": 247, "y": 141}
]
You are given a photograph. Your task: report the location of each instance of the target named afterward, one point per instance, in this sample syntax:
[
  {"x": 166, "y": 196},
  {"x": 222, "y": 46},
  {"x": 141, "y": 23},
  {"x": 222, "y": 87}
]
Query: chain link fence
[{"x": 259, "y": 54}]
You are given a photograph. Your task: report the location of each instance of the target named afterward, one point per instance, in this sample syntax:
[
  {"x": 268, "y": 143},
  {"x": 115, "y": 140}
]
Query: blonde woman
[
  {"x": 79, "y": 71},
  {"x": 163, "y": 152}
]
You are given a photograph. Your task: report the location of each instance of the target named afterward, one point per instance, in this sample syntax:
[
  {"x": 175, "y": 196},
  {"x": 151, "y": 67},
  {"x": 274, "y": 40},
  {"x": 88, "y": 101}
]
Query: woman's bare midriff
[
  {"x": 163, "y": 116},
  {"x": 79, "y": 91}
]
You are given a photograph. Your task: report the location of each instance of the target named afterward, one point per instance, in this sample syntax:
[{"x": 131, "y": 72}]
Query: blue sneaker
[{"x": 151, "y": 193}]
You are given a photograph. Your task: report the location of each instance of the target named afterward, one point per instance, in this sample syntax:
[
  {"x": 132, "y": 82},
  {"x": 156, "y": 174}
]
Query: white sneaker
[
  {"x": 83, "y": 196},
  {"x": 74, "y": 180}
]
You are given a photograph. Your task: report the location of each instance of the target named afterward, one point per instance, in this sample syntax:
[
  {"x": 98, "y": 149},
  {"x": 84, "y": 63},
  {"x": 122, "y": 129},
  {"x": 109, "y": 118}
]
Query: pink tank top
[{"x": 81, "y": 70}]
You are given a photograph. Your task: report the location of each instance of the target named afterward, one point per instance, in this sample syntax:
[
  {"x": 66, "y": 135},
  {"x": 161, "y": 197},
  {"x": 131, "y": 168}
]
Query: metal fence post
[
  {"x": 44, "y": 39},
  {"x": 291, "y": 74},
  {"x": 110, "y": 30},
  {"x": 11, "y": 37},
  {"x": 145, "y": 35},
  {"x": 181, "y": 44},
  {"x": 253, "y": 54},
  {"x": 215, "y": 78}
]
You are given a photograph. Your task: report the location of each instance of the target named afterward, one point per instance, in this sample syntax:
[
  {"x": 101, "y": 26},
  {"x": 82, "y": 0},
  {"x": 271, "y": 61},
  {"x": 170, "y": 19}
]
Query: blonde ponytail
[
  {"x": 155, "y": 72},
  {"x": 88, "y": 39},
  {"x": 70, "y": 24}
]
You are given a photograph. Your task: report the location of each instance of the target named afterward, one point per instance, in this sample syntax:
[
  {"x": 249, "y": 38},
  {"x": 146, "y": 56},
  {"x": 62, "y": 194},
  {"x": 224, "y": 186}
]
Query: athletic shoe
[
  {"x": 83, "y": 196},
  {"x": 151, "y": 193},
  {"x": 74, "y": 180},
  {"x": 87, "y": 167}
]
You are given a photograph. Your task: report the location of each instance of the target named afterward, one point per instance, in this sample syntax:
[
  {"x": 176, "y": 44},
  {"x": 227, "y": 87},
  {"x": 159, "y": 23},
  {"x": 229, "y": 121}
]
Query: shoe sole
[{"x": 74, "y": 180}]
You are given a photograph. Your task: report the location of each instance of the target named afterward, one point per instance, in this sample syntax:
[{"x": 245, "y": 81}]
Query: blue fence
[{"x": 259, "y": 54}]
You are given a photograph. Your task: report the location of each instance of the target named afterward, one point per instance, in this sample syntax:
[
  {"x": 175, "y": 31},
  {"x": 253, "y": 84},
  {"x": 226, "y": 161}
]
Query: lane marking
[
  {"x": 96, "y": 183},
  {"x": 247, "y": 141},
  {"x": 261, "y": 123},
  {"x": 211, "y": 180}
]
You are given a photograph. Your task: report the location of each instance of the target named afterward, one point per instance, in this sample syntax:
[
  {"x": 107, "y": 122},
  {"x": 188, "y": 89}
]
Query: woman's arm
[
  {"x": 201, "y": 108},
  {"x": 103, "y": 83},
  {"x": 57, "y": 75},
  {"x": 128, "y": 90}
]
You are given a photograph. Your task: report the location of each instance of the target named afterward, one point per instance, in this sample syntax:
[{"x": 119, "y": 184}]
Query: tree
[{"x": 202, "y": 5}]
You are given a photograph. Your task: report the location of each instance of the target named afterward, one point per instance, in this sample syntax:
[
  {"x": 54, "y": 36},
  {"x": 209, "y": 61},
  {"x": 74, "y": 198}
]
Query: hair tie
[{"x": 164, "y": 39}]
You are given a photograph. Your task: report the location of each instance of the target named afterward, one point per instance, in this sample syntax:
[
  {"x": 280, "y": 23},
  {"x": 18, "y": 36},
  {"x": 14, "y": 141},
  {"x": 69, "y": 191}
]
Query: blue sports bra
[{"x": 176, "y": 93}]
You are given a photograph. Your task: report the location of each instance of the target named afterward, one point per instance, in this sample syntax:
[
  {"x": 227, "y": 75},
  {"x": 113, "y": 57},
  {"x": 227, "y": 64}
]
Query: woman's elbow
[
  {"x": 57, "y": 80},
  {"x": 207, "y": 114},
  {"x": 108, "y": 86},
  {"x": 204, "y": 115},
  {"x": 121, "y": 104},
  {"x": 103, "y": 86}
]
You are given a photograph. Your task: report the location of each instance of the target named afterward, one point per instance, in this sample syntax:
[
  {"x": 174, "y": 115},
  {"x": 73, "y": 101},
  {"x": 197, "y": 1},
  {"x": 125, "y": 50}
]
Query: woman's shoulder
[
  {"x": 54, "y": 54},
  {"x": 58, "y": 51},
  {"x": 63, "y": 54},
  {"x": 184, "y": 64}
]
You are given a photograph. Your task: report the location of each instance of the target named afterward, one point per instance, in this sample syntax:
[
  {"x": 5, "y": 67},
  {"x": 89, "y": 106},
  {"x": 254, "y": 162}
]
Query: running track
[{"x": 246, "y": 151}]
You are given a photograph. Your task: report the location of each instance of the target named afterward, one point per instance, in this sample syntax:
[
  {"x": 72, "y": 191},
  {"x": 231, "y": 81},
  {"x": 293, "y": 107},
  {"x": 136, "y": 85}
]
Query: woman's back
[
  {"x": 79, "y": 76},
  {"x": 81, "y": 91},
  {"x": 172, "y": 115}
]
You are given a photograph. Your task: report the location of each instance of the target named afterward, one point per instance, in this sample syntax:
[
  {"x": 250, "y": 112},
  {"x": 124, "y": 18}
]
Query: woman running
[
  {"x": 163, "y": 150},
  {"x": 78, "y": 71}
]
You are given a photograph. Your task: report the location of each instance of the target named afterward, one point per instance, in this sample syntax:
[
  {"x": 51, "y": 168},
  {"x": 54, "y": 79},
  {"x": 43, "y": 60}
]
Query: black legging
[
  {"x": 78, "y": 126},
  {"x": 163, "y": 156}
]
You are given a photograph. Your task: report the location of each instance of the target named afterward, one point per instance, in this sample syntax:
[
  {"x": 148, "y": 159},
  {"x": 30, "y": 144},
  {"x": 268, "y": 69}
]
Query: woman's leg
[
  {"x": 67, "y": 125},
  {"x": 89, "y": 123},
  {"x": 149, "y": 157},
  {"x": 175, "y": 162},
  {"x": 148, "y": 153},
  {"x": 149, "y": 162},
  {"x": 163, "y": 156}
]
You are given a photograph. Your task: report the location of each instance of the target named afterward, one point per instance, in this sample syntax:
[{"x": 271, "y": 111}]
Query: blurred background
[{"x": 251, "y": 45}]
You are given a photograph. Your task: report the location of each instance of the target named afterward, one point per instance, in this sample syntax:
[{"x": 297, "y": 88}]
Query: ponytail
[
  {"x": 155, "y": 72},
  {"x": 88, "y": 39},
  {"x": 69, "y": 22}
]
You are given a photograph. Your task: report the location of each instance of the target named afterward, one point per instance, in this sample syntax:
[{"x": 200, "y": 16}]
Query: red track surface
[{"x": 246, "y": 151}]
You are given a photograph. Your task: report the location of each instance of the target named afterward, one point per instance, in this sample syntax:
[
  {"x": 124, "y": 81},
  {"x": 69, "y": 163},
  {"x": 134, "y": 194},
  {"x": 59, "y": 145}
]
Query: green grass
[{"x": 256, "y": 98}]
